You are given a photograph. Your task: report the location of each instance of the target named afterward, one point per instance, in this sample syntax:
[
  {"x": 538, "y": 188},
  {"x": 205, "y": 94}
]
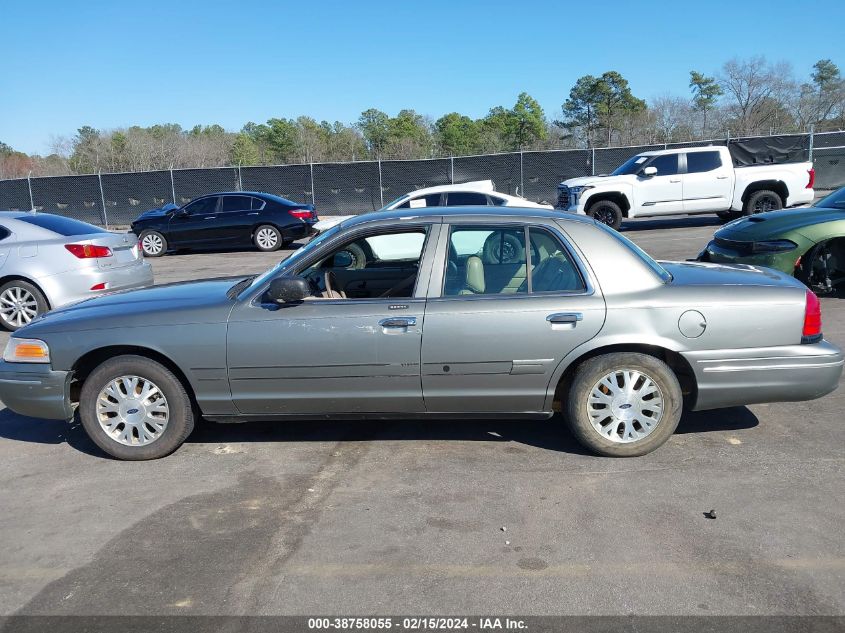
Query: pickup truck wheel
[
  {"x": 762, "y": 201},
  {"x": 135, "y": 408},
  {"x": 606, "y": 212},
  {"x": 624, "y": 404}
]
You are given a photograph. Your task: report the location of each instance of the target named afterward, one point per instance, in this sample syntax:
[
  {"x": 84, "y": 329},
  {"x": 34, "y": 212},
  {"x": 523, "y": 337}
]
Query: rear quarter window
[{"x": 67, "y": 227}]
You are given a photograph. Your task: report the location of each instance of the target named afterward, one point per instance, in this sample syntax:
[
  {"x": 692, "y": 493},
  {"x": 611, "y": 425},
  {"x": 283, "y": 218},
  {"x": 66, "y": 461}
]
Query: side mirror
[
  {"x": 288, "y": 290},
  {"x": 648, "y": 172},
  {"x": 342, "y": 259}
]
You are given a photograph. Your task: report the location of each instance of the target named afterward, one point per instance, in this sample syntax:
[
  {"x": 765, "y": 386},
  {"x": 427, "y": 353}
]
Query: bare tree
[{"x": 752, "y": 86}]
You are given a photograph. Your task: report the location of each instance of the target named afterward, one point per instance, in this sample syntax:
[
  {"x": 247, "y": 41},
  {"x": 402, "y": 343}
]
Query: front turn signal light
[{"x": 26, "y": 350}]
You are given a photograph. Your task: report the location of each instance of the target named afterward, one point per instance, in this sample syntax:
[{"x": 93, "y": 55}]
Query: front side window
[
  {"x": 666, "y": 165},
  {"x": 203, "y": 205},
  {"x": 698, "y": 162},
  {"x": 377, "y": 265},
  {"x": 420, "y": 202},
  {"x": 236, "y": 203}
]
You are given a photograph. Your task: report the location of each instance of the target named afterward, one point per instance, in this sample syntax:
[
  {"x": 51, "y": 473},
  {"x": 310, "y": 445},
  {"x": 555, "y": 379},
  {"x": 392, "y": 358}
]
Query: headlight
[
  {"x": 773, "y": 246},
  {"x": 581, "y": 188},
  {"x": 26, "y": 350}
]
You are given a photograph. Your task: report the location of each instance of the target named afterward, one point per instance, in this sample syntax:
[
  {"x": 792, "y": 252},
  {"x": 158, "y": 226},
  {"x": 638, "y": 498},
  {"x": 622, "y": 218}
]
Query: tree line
[{"x": 746, "y": 97}]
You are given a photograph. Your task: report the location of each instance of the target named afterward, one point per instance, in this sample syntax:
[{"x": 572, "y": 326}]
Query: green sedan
[{"x": 808, "y": 243}]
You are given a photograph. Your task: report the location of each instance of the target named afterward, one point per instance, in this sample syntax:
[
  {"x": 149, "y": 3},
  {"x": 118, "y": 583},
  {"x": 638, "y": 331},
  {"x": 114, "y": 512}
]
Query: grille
[{"x": 562, "y": 198}]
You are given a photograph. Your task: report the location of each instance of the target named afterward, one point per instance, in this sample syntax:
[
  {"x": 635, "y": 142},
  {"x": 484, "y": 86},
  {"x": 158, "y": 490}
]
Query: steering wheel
[{"x": 330, "y": 282}]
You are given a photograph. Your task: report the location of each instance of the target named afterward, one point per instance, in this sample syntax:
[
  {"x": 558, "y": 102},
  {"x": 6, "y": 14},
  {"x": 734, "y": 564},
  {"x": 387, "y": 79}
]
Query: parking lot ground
[{"x": 433, "y": 517}]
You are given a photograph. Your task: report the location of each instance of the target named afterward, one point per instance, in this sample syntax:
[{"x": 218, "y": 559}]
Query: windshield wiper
[{"x": 235, "y": 290}]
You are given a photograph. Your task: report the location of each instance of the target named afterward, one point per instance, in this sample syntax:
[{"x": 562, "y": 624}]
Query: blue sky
[{"x": 111, "y": 64}]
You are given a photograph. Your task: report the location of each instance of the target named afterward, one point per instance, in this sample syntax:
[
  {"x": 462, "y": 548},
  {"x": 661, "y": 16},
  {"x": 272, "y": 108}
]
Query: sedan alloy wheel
[{"x": 18, "y": 306}]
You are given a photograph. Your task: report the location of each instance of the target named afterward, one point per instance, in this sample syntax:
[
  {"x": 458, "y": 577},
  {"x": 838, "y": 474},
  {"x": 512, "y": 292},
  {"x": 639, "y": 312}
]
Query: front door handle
[
  {"x": 568, "y": 319},
  {"x": 721, "y": 177},
  {"x": 395, "y": 323},
  {"x": 675, "y": 180}
]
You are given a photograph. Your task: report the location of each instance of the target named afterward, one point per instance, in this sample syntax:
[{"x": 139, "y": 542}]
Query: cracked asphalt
[{"x": 406, "y": 517}]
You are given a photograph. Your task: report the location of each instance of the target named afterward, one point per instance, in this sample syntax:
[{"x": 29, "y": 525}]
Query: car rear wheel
[
  {"x": 761, "y": 202},
  {"x": 134, "y": 408},
  {"x": 267, "y": 238},
  {"x": 153, "y": 243},
  {"x": 606, "y": 212},
  {"x": 20, "y": 303},
  {"x": 624, "y": 404}
]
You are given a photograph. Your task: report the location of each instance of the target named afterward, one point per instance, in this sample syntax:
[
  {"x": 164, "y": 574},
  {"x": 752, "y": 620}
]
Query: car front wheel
[
  {"x": 135, "y": 408},
  {"x": 153, "y": 243},
  {"x": 606, "y": 212},
  {"x": 624, "y": 404}
]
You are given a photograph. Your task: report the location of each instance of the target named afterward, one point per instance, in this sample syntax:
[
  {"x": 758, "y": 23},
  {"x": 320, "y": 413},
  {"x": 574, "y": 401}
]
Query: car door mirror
[
  {"x": 342, "y": 259},
  {"x": 288, "y": 290},
  {"x": 648, "y": 172}
]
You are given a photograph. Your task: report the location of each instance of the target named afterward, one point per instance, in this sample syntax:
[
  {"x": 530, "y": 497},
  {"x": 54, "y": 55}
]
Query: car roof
[
  {"x": 13, "y": 214},
  {"x": 680, "y": 150},
  {"x": 481, "y": 186},
  {"x": 434, "y": 213}
]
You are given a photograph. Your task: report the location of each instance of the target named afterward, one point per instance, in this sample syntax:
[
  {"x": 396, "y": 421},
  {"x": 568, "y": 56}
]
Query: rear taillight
[
  {"x": 88, "y": 251},
  {"x": 812, "y": 331},
  {"x": 302, "y": 214},
  {"x": 812, "y": 181}
]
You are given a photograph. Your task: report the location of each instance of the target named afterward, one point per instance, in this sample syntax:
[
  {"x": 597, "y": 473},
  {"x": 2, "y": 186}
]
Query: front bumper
[
  {"x": 789, "y": 373},
  {"x": 36, "y": 390}
]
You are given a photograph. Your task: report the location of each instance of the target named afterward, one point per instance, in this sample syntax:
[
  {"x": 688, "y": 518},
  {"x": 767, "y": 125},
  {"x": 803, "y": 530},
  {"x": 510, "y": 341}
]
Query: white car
[
  {"x": 688, "y": 180},
  {"x": 480, "y": 193}
]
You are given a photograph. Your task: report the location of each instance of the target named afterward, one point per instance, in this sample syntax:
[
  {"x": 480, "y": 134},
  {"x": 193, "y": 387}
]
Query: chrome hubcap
[
  {"x": 152, "y": 244},
  {"x": 17, "y": 306},
  {"x": 625, "y": 406},
  {"x": 266, "y": 238},
  {"x": 132, "y": 411}
]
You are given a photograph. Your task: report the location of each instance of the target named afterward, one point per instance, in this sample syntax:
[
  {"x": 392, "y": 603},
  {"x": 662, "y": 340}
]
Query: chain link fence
[{"x": 358, "y": 187}]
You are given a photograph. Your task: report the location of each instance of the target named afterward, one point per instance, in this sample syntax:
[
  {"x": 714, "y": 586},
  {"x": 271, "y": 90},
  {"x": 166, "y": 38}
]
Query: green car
[{"x": 808, "y": 243}]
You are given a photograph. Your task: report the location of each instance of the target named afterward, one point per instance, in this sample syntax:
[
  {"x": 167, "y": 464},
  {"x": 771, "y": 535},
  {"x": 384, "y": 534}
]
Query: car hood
[
  {"x": 706, "y": 274},
  {"x": 776, "y": 223},
  {"x": 203, "y": 301},
  {"x": 159, "y": 212},
  {"x": 596, "y": 181}
]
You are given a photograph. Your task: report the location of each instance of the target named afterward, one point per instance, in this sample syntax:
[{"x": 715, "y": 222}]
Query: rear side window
[
  {"x": 4, "y": 233},
  {"x": 703, "y": 161},
  {"x": 667, "y": 164},
  {"x": 466, "y": 198},
  {"x": 63, "y": 226},
  {"x": 552, "y": 268},
  {"x": 257, "y": 204},
  {"x": 236, "y": 203}
]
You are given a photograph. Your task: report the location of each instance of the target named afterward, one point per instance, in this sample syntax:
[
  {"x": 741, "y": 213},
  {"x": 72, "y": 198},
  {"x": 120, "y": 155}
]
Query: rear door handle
[
  {"x": 721, "y": 177},
  {"x": 565, "y": 318},
  {"x": 398, "y": 322},
  {"x": 675, "y": 180}
]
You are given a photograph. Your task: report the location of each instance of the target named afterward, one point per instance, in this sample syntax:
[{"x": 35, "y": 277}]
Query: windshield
[
  {"x": 295, "y": 257},
  {"x": 836, "y": 200},
  {"x": 630, "y": 166}
]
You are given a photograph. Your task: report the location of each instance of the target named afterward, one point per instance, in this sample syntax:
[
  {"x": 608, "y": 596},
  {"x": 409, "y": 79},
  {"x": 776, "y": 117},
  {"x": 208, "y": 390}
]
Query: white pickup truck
[{"x": 688, "y": 180}]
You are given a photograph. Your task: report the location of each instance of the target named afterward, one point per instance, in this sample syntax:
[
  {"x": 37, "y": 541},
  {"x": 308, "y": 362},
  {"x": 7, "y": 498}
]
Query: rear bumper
[
  {"x": 790, "y": 373},
  {"x": 36, "y": 391},
  {"x": 74, "y": 286}
]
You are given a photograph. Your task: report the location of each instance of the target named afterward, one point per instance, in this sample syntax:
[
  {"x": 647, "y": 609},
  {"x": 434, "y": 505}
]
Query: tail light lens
[
  {"x": 88, "y": 251},
  {"x": 812, "y": 181},
  {"x": 812, "y": 331},
  {"x": 302, "y": 214}
]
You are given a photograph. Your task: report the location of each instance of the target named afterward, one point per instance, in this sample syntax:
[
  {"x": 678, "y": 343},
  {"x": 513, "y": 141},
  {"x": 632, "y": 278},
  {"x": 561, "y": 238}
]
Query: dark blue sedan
[{"x": 225, "y": 220}]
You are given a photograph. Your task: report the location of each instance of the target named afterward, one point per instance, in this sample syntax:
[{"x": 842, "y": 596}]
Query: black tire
[
  {"x": 607, "y": 212},
  {"x": 153, "y": 243},
  {"x": 762, "y": 201},
  {"x": 180, "y": 421},
  {"x": 267, "y": 238},
  {"x": 815, "y": 270},
  {"x": 586, "y": 378},
  {"x": 18, "y": 299}
]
